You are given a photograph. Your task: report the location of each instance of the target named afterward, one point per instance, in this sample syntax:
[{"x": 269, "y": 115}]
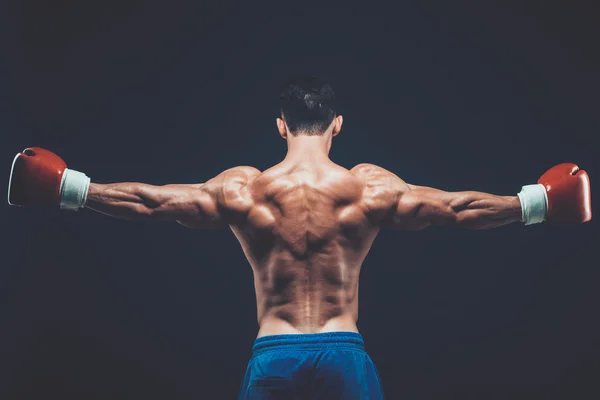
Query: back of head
[{"x": 307, "y": 105}]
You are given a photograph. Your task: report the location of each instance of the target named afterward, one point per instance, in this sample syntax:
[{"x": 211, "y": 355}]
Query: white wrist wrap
[
  {"x": 73, "y": 190},
  {"x": 534, "y": 204}
]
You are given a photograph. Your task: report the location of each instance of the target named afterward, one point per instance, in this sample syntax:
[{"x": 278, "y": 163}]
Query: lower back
[{"x": 272, "y": 325}]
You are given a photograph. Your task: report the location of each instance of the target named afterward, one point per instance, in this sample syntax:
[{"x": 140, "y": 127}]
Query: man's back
[{"x": 306, "y": 236}]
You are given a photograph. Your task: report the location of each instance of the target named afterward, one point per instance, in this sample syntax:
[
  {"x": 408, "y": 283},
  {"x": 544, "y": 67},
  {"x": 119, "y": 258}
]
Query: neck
[{"x": 308, "y": 148}]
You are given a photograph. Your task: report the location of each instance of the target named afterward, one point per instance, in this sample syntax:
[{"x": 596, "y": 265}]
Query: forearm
[
  {"x": 477, "y": 210},
  {"x": 126, "y": 200}
]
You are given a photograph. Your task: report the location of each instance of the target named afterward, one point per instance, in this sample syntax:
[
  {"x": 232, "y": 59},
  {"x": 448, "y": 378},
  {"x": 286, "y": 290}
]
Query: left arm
[
  {"x": 220, "y": 201},
  {"x": 133, "y": 200}
]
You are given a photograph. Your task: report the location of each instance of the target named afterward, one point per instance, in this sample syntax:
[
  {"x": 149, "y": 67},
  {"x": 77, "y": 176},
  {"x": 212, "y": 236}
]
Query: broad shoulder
[
  {"x": 233, "y": 189},
  {"x": 365, "y": 169},
  {"x": 372, "y": 174},
  {"x": 240, "y": 174},
  {"x": 381, "y": 188}
]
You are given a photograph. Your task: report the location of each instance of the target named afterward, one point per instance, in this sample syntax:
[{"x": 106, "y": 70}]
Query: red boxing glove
[
  {"x": 41, "y": 178},
  {"x": 568, "y": 191},
  {"x": 562, "y": 195}
]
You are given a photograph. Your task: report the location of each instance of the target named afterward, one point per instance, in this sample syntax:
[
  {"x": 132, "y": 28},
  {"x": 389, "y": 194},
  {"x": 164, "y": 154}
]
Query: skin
[{"x": 305, "y": 224}]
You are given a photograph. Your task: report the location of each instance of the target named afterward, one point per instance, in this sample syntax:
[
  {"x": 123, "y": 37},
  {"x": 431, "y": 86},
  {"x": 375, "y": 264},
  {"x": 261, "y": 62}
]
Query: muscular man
[{"x": 305, "y": 225}]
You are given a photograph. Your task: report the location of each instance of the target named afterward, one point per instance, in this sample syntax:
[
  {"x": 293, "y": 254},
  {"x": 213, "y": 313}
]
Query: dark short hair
[{"x": 307, "y": 105}]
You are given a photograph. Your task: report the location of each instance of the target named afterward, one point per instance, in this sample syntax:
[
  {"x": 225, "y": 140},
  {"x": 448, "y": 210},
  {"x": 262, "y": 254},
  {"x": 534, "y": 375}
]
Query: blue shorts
[{"x": 311, "y": 366}]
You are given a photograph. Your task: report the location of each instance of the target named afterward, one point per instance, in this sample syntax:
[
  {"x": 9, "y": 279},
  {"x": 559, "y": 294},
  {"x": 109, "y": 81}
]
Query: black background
[{"x": 481, "y": 95}]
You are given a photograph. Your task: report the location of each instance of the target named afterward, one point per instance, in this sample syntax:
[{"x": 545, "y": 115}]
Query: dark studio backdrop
[{"x": 460, "y": 95}]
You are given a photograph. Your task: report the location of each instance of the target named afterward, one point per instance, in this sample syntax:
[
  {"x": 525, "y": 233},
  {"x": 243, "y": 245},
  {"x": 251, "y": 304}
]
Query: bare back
[
  {"x": 306, "y": 237},
  {"x": 305, "y": 227}
]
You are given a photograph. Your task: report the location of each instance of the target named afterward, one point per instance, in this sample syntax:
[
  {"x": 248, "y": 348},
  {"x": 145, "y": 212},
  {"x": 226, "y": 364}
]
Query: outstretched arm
[
  {"x": 389, "y": 201},
  {"x": 419, "y": 207},
  {"x": 132, "y": 200},
  {"x": 39, "y": 177},
  {"x": 561, "y": 195},
  {"x": 221, "y": 200}
]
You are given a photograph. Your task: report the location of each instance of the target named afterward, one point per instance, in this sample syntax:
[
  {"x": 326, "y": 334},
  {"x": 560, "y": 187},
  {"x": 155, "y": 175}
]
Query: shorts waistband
[{"x": 310, "y": 341}]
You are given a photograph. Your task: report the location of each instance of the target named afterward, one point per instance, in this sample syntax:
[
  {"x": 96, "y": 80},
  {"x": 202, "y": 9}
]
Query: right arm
[
  {"x": 389, "y": 201},
  {"x": 420, "y": 207}
]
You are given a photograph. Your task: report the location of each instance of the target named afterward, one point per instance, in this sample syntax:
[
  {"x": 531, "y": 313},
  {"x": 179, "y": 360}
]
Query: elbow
[
  {"x": 147, "y": 213},
  {"x": 472, "y": 220},
  {"x": 140, "y": 211},
  {"x": 464, "y": 220},
  {"x": 467, "y": 219},
  {"x": 459, "y": 219},
  {"x": 450, "y": 217},
  {"x": 148, "y": 206},
  {"x": 460, "y": 215}
]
